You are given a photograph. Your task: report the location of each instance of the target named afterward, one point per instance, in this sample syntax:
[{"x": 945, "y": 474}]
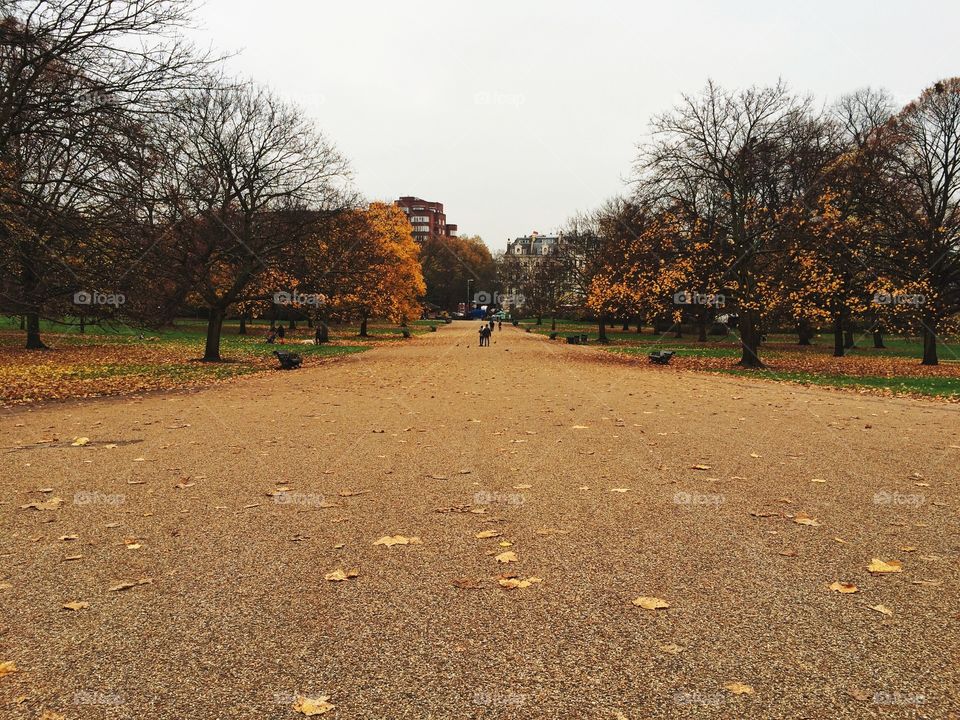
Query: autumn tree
[
  {"x": 248, "y": 181},
  {"x": 448, "y": 264}
]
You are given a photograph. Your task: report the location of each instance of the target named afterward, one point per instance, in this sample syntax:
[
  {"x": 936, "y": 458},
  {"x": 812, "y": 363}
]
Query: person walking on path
[
  {"x": 482, "y": 335},
  {"x": 281, "y": 334}
]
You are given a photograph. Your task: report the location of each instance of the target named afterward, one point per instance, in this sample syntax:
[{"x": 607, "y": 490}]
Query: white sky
[{"x": 517, "y": 114}]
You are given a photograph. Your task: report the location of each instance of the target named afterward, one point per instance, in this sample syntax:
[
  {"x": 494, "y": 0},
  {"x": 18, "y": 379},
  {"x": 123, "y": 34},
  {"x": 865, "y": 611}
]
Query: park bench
[
  {"x": 288, "y": 360},
  {"x": 573, "y": 339},
  {"x": 661, "y": 357}
]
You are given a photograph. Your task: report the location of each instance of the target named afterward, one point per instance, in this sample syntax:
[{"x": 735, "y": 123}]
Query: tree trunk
[
  {"x": 23, "y": 322},
  {"x": 363, "y": 326},
  {"x": 750, "y": 340},
  {"x": 310, "y": 321},
  {"x": 702, "y": 326},
  {"x": 848, "y": 339},
  {"x": 292, "y": 324},
  {"x": 602, "y": 326},
  {"x": 33, "y": 333},
  {"x": 323, "y": 333},
  {"x": 211, "y": 352},
  {"x": 626, "y": 326},
  {"x": 243, "y": 325},
  {"x": 930, "y": 342},
  {"x": 878, "y": 339},
  {"x": 678, "y": 330},
  {"x": 804, "y": 332},
  {"x": 838, "y": 334},
  {"x": 83, "y": 326},
  {"x": 539, "y": 319},
  {"x": 553, "y": 323}
]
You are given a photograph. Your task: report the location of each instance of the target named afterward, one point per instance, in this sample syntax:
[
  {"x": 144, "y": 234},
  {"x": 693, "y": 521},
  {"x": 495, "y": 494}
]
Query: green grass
[{"x": 933, "y": 386}]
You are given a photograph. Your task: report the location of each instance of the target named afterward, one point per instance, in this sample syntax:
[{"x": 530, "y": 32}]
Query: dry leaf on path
[
  {"x": 804, "y": 519},
  {"x": 672, "y": 649},
  {"x": 878, "y": 566},
  {"x": 513, "y": 583},
  {"x": 467, "y": 584},
  {"x": 651, "y": 603},
  {"x": 738, "y": 688},
  {"x": 7, "y": 667},
  {"x": 507, "y": 557},
  {"x": 881, "y": 609},
  {"x": 483, "y": 534},
  {"x": 391, "y": 540},
  {"x": 579, "y": 427},
  {"x": 53, "y": 503},
  {"x": 701, "y": 467},
  {"x": 339, "y": 574},
  {"x": 313, "y": 706},
  {"x": 80, "y": 442},
  {"x": 131, "y": 584},
  {"x": 845, "y": 588},
  {"x": 76, "y": 605}
]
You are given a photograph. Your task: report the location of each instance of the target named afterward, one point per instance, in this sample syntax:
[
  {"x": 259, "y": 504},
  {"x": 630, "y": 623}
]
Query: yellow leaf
[
  {"x": 881, "y": 609},
  {"x": 507, "y": 557},
  {"x": 804, "y": 519},
  {"x": 651, "y": 603},
  {"x": 513, "y": 583},
  {"x": 738, "y": 688},
  {"x": 879, "y": 566},
  {"x": 80, "y": 441},
  {"x": 843, "y": 587},
  {"x": 76, "y": 605},
  {"x": 391, "y": 540},
  {"x": 313, "y": 706},
  {"x": 7, "y": 667},
  {"x": 483, "y": 534}
]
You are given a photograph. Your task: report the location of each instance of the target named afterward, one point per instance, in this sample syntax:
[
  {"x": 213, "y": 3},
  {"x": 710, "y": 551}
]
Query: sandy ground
[{"x": 238, "y": 619}]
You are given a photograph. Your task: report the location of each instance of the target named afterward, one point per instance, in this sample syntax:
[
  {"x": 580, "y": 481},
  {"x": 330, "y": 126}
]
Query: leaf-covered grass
[
  {"x": 119, "y": 359},
  {"x": 945, "y": 387}
]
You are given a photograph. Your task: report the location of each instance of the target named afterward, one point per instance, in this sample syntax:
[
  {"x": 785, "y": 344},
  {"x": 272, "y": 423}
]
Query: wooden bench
[
  {"x": 661, "y": 357},
  {"x": 288, "y": 360}
]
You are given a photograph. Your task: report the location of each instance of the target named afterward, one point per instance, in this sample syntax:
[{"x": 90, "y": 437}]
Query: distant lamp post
[{"x": 469, "y": 282}]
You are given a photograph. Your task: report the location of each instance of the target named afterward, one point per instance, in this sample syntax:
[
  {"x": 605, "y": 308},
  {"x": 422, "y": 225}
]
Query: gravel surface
[{"x": 234, "y": 618}]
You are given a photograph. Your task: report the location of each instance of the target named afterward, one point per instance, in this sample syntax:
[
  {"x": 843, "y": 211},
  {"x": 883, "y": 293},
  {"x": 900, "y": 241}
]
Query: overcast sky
[{"x": 517, "y": 114}]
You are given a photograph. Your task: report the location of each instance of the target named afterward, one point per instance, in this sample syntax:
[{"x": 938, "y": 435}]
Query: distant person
[
  {"x": 281, "y": 334},
  {"x": 499, "y": 324},
  {"x": 271, "y": 337},
  {"x": 482, "y": 328}
]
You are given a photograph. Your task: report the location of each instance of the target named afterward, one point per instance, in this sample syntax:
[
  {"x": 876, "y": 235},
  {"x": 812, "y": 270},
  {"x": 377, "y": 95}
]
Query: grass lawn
[
  {"x": 120, "y": 359},
  {"x": 894, "y": 369}
]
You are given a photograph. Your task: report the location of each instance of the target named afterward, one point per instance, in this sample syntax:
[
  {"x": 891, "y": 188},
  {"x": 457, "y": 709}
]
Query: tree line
[
  {"x": 138, "y": 179},
  {"x": 763, "y": 209}
]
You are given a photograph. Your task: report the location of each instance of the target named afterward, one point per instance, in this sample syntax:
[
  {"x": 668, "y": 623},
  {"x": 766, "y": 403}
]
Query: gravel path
[{"x": 610, "y": 480}]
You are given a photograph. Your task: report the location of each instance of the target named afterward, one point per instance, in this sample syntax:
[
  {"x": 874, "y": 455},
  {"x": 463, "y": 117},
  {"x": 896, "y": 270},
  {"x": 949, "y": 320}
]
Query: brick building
[{"x": 426, "y": 217}]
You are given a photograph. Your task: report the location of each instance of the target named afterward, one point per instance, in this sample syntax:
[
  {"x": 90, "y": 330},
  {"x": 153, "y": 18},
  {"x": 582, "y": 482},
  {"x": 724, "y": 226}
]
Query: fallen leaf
[
  {"x": 738, "y": 688},
  {"x": 701, "y": 467},
  {"x": 804, "y": 519},
  {"x": 352, "y": 493},
  {"x": 467, "y": 584},
  {"x": 881, "y": 609},
  {"x": 651, "y": 603},
  {"x": 69, "y": 537},
  {"x": 483, "y": 534},
  {"x": 339, "y": 575},
  {"x": 620, "y": 490},
  {"x": 513, "y": 583},
  {"x": 578, "y": 427},
  {"x": 7, "y": 667},
  {"x": 391, "y": 540},
  {"x": 314, "y": 706},
  {"x": 507, "y": 557},
  {"x": 845, "y": 588},
  {"x": 672, "y": 649},
  {"x": 131, "y": 584},
  {"x": 53, "y": 503},
  {"x": 878, "y": 566},
  {"x": 818, "y": 480},
  {"x": 928, "y": 583},
  {"x": 76, "y": 605},
  {"x": 80, "y": 441}
]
